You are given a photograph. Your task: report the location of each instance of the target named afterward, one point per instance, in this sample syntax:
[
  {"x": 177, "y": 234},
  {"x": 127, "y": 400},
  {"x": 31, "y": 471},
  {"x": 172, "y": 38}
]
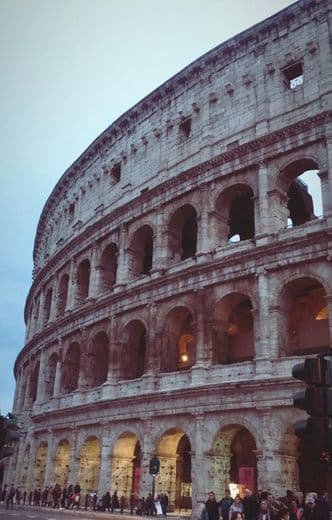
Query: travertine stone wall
[{"x": 144, "y": 320}]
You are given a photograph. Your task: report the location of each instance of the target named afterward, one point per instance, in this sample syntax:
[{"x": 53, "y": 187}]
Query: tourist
[{"x": 236, "y": 507}]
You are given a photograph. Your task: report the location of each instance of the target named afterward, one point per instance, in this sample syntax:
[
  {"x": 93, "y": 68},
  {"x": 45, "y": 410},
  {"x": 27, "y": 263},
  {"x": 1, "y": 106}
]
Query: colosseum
[{"x": 180, "y": 271}]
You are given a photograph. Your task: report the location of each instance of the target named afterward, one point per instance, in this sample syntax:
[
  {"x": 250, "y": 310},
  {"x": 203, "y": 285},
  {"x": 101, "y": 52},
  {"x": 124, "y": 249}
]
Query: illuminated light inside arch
[{"x": 323, "y": 314}]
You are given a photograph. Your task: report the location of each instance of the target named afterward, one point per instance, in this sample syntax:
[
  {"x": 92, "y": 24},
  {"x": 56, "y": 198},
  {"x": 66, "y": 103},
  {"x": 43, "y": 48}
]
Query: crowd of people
[
  {"x": 70, "y": 497},
  {"x": 264, "y": 506},
  {"x": 252, "y": 506}
]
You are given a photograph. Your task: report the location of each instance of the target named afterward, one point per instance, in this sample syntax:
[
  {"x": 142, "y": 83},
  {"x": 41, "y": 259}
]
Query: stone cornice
[
  {"x": 127, "y": 211},
  {"x": 257, "y": 256},
  {"x": 252, "y": 39},
  {"x": 273, "y": 392}
]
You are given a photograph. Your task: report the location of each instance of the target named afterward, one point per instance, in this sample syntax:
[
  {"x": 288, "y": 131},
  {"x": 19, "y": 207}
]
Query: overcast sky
[{"x": 69, "y": 68}]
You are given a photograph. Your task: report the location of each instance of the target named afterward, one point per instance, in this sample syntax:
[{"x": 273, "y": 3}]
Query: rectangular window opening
[
  {"x": 185, "y": 129},
  {"x": 293, "y": 75},
  {"x": 71, "y": 212},
  {"x": 116, "y": 173}
]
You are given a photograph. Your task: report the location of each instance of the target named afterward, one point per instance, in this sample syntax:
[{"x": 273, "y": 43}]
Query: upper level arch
[
  {"x": 71, "y": 368},
  {"x": 83, "y": 281},
  {"x": 62, "y": 295},
  {"x": 178, "y": 346},
  {"x": 134, "y": 345},
  {"x": 108, "y": 266},
  {"x": 304, "y": 324},
  {"x": 140, "y": 251},
  {"x": 50, "y": 374},
  {"x": 233, "y": 329},
  {"x": 96, "y": 368},
  {"x": 182, "y": 233},
  {"x": 300, "y": 182},
  {"x": 235, "y": 208}
]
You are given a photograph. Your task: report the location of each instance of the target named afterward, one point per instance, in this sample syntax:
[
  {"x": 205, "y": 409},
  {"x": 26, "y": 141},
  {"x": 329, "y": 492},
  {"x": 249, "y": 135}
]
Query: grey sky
[{"x": 68, "y": 69}]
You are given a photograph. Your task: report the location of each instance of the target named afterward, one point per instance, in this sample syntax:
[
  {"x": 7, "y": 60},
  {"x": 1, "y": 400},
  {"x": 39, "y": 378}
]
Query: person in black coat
[
  {"x": 250, "y": 506},
  {"x": 323, "y": 507},
  {"x": 211, "y": 507}
]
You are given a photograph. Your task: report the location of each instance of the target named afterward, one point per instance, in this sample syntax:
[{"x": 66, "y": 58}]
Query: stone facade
[{"x": 179, "y": 274}]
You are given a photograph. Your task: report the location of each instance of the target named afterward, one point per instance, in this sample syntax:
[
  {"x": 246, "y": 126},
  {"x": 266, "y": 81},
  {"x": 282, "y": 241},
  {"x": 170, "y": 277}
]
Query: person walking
[{"x": 10, "y": 497}]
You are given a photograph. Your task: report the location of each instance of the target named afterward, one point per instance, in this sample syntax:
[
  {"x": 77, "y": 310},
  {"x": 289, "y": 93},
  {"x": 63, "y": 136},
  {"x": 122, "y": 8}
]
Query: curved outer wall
[{"x": 147, "y": 327}]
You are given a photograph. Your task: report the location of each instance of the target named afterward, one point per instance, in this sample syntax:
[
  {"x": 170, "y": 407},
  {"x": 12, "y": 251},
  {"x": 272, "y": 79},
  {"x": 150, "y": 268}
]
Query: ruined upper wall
[{"x": 233, "y": 94}]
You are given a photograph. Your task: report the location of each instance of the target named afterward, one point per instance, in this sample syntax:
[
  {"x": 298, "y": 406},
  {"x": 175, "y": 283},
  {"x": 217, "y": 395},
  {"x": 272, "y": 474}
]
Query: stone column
[
  {"x": 326, "y": 187},
  {"x": 122, "y": 271},
  {"x": 269, "y": 462},
  {"x": 40, "y": 321},
  {"x": 278, "y": 211},
  {"x": 41, "y": 377},
  {"x": 105, "y": 465},
  {"x": 150, "y": 354},
  {"x": 148, "y": 451},
  {"x": 19, "y": 465},
  {"x": 55, "y": 289},
  {"x": 264, "y": 352},
  {"x": 49, "y": 469},
  {"x": 200, "y": 466},
  {"x": 74, "y": 459},
  {"x": 329, "y": 309},
  {"x": 159, "y": 262},
  {"x": 94, "y": 284},
  {"x": 277, "y": 341},
  {"x": 71, "y": 295},
  {"x": 30, "y": 483},
  {"x": 27, "y": 388},
  {"x": 17, "y": 391},
  {"x": 204, "y": 243},
  {"x": 22, "y": 390},
  {"x": 58, "y": 370},
  {"x": 262, "y": 223},
  {"x": 114, "y": 352},
  {"x": 218, "y": 229}
]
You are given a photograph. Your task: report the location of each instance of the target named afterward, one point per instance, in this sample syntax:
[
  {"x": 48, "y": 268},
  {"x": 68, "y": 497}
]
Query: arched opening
[
  {"x": 234, "y": 460},
  {"x": 126, "y": 465},
  {"x": 182, "y": 233},
  {"x": 47, "y": 306},
  {"x": 305, "y": 317},
  {"x": 50, "y": 375},
  {"x": 62, "y": 295},
  {"x": 40, "y": 465},
  {"x": 25, "y": 467},
  {"x": 178, "y": 343},
  {"x": 97, "y": 365},
  {"x": 61, "y": 463},
  {"x": 132, "y": 361},
  {"x": 174, "y": 453},
  {"x": 304, "y": 194},
  {"x": 83, "y": 281},
  {"x": 233, "y": 330},
  {"x": 235, "y": 208},
  {"x": 33, "y": 387},
  {"x": 141, "y": 251},
  {"x": 71, "y": 368},
  {"x": 108, "y": 266},
  {"x": 89, "y": 465}
]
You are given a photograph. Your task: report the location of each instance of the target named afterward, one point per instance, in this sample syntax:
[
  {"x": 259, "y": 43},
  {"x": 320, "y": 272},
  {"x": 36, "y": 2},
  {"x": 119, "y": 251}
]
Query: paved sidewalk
[{"x": 91, "y": 514}]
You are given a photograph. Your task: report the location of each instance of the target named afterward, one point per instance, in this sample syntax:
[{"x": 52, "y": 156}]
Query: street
[
  {"x": 31, "y": 513},
  {"x": 20, "y": 512}
]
